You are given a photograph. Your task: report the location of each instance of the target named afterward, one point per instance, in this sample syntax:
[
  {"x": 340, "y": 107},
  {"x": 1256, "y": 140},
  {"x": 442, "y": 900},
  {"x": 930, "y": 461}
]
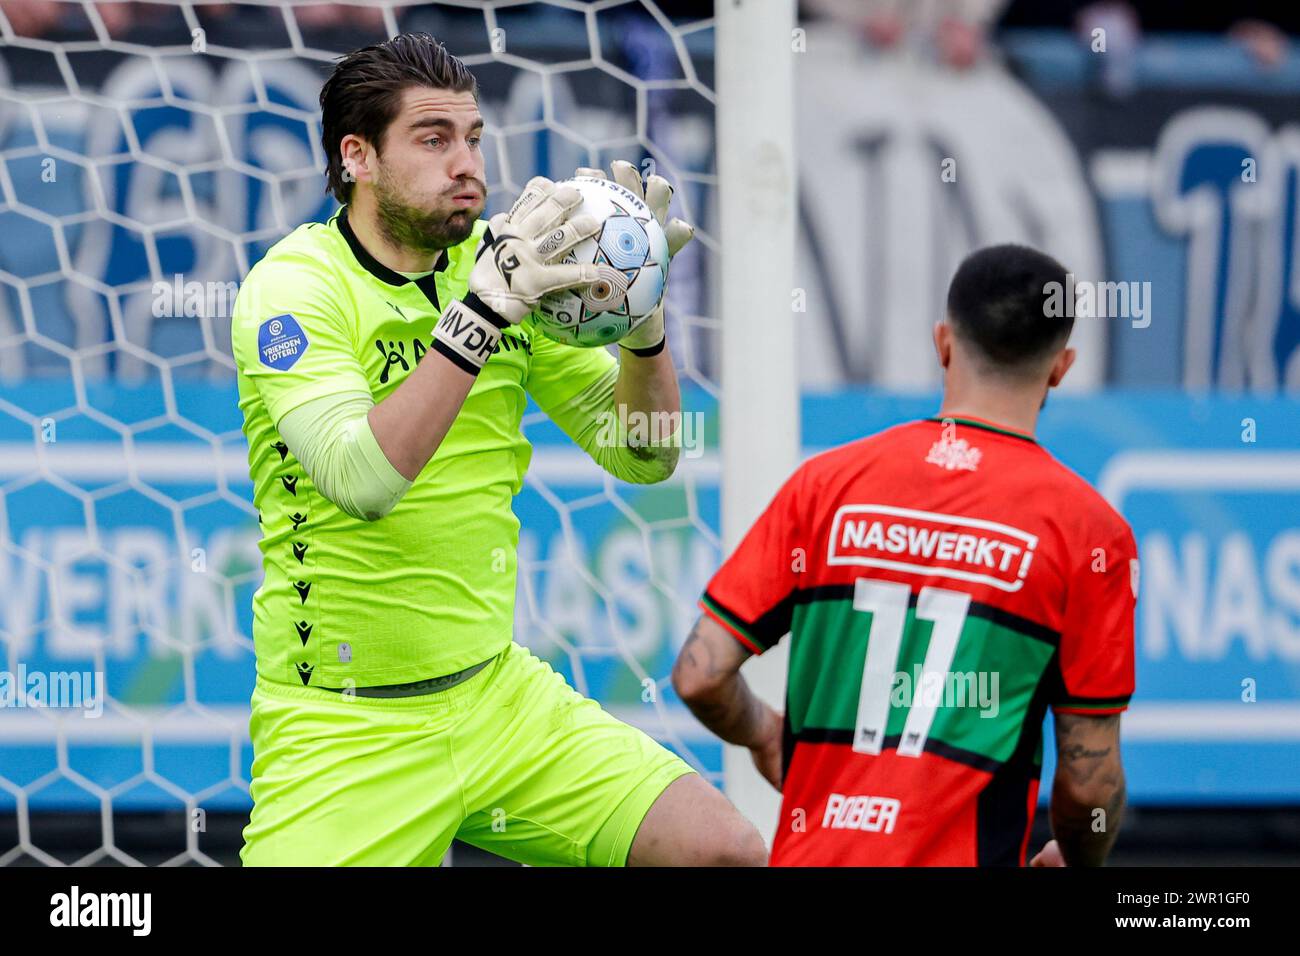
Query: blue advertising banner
[{"x": 131, "y": 558}]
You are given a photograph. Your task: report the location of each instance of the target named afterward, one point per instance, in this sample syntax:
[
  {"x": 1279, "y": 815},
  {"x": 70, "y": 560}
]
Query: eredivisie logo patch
[{"x": 281, "y": 342}]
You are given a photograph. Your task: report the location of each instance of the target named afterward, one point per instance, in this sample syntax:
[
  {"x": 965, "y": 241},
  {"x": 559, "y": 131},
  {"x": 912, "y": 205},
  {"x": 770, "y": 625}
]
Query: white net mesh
[{"x": 151, "y": 153}]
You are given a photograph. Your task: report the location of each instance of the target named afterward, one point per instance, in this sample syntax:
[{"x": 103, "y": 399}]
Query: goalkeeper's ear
[{"x": 355, "y": 153}]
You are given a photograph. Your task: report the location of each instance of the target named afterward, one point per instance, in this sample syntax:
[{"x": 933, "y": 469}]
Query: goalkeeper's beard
[{"x": 417, "y": 230}]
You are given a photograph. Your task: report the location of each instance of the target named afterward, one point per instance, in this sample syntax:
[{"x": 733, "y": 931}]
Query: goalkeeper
[{"x": 384, "y": 359}]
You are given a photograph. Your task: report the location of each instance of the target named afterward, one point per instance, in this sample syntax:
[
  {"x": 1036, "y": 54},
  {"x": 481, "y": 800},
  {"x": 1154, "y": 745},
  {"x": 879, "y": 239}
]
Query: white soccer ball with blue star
[{"x": 631, "y": 253}]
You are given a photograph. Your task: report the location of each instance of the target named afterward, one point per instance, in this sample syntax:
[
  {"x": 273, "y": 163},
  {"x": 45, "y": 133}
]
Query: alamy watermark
[
  {"x": 949, "y": 689},
  {"x": 70, "y": 690},
  {"x": 180, "y": 299},
  {"x": 1086, "y": 299},
  {"x": 74, "y": 908},
  {"x": 658, "y": 429}
]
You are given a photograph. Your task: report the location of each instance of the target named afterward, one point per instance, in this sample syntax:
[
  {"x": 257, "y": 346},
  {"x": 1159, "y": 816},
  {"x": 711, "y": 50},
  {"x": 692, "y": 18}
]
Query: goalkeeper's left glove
[{"x": 648, "y": 338}]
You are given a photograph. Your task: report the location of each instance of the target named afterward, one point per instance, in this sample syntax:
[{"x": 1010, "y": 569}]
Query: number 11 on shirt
[{"x": 887, "y": 602}]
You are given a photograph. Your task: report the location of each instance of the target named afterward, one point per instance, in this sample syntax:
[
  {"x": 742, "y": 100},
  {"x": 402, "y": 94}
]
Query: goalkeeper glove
[
  {"x": 648, "y": 337},
  {"x": 517, "y": 264}
]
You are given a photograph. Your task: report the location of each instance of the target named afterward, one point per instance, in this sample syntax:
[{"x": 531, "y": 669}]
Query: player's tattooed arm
[
  {"x": 1088, "y": 793},
  {"x": 707, "y": 678}
]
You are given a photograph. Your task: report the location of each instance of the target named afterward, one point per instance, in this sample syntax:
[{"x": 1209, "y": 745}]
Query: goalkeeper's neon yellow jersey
[{"x": 429, "y": 588}]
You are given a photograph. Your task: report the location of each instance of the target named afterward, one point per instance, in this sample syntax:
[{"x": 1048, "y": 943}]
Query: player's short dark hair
[
  {"x": 364, "y": 92},
  {"x": 1000, "y": 303}
]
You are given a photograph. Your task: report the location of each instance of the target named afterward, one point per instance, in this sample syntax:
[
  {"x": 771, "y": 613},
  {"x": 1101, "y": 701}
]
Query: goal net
[{"x": 151, "y": 153}]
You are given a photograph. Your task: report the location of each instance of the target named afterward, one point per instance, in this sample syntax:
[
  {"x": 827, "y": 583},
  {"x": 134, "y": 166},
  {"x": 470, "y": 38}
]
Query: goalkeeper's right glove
[{"x": 517, "y": 264}]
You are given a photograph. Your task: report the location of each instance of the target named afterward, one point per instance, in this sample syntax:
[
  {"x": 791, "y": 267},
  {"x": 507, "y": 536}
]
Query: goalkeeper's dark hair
[
  {"x": 364, "y": 93},
  {"x": 1007, "y": 303}
]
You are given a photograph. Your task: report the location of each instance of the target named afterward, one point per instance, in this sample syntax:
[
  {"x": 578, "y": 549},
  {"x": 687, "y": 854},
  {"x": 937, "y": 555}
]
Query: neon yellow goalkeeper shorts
[{"x": 512, "y": 760}]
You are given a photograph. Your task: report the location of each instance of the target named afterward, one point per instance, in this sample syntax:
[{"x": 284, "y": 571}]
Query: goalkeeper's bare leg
[{"x": 693, "y": 824}]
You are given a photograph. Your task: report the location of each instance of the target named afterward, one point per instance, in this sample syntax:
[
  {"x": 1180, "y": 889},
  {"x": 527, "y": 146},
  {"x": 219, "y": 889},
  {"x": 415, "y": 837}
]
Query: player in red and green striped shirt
[{"x": 944, "y": 583}]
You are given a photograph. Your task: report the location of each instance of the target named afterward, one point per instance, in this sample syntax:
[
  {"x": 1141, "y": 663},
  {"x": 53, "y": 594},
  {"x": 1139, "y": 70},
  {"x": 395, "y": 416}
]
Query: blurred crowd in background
[{"x": 957, "y": 30}]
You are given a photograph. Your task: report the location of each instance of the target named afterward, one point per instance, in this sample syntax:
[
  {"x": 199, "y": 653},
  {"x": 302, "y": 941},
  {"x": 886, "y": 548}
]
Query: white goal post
[{"x": 759, "y": 369}]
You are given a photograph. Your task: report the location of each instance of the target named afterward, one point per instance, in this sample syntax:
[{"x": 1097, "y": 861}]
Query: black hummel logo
[
  {"x": 290, "y": 483},
  {"x": 394, "y": 353},
  {"x": 298, "y": 519},
  {"x": 913, "y": 738},
  {"x": 303, "y": 588},
  {"x": 304, "y": 671},
  {"x": 870, "y": 735},
  {"x": 299, "y": 549},
  {"x": 281, "y": 447},
  {"x": 304, "y": 631},
  {"x": 398, "y": 311}
]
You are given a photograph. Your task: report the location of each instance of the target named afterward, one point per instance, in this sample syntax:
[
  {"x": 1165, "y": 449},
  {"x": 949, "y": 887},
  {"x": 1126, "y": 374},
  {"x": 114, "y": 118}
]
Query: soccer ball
[{"x": 631, "y": 253}]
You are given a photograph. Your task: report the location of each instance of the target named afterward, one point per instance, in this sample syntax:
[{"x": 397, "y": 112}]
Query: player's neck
[
  {"x": 365, "y": 224},
  {"x": 1013, "y": 410}
]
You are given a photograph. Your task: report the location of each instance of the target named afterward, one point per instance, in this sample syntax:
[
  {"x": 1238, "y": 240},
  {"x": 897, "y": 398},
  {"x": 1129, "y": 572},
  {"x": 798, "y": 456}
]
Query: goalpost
[
  {"x": 149, "y": 154},
  {"x": 760, "y": 389}
]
